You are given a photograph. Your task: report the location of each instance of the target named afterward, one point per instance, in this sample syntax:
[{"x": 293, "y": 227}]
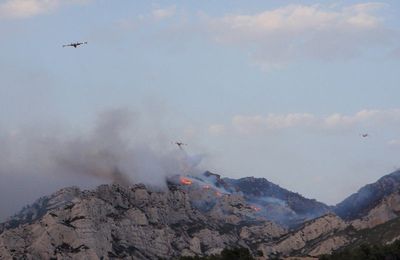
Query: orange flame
[
  {"x": 255, "y": 208},
  {"x": 218, "y": 194},
  {"x": 186, "y": 181},
  {"x": 206, "y": 187}
]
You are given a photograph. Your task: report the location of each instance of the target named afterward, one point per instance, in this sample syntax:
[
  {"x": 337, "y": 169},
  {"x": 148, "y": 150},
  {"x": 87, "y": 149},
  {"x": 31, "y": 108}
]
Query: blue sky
[{"x": 274, "y": 89}]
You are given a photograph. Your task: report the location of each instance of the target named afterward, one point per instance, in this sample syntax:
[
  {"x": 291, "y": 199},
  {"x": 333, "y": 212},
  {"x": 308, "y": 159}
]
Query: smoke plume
[{"x": 38, "y": 161}]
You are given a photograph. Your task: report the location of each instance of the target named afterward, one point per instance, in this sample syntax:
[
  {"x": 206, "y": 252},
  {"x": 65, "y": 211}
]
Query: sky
[{"x": 275, "y": 89}]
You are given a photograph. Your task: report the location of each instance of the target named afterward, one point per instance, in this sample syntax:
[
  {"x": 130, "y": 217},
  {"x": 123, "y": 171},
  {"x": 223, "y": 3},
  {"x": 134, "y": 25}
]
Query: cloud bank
[
  {"x": 163, "y": 13},
  {"x": 19, "y": 9},
  {"x": 250, "y": 124},
  {"x": 290, "y": 33}
]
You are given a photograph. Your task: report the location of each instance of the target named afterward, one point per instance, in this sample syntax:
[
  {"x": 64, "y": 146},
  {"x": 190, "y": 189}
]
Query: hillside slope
[
  {"x": 116, "y": 221},
  {"x": 360, "y": 203}
]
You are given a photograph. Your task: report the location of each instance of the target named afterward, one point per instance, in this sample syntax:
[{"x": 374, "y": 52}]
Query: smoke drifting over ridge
[{"x": 37, "y": 162}]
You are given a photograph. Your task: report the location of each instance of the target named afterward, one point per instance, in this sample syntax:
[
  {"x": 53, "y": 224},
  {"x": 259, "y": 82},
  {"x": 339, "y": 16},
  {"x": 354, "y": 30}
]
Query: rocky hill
[
  {"x": 198, "y": 216},
  {"x": 116, "y": 222},
  {"x": 360, "y": 203},
  {"x": 278, "y": 204}
]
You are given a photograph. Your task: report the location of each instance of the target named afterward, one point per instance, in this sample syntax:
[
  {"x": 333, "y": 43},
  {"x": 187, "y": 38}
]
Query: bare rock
[
  {"x": 386, "y": 210},
  {"x": 297, "y": 241},
  {"x": 329, "y": 245}
]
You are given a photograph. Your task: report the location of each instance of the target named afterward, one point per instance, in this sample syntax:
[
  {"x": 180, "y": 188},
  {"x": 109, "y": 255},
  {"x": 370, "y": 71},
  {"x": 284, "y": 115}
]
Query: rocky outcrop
[
  {"x": 120, "y": 222},
  {"x": 387, "y": 209},
  {"x": 38, "y": 209},
  {"x": 314, "y": 238},
  {"x": 329, "y": 245},
  {"x": 276, "y": 203},
  {"x": 199, "y": 215},
  {"x": 359, "y": 204}
]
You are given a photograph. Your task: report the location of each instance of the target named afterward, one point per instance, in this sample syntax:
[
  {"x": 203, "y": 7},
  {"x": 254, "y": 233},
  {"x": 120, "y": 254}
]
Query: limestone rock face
[
  {"x": 257, "y": 233},
  {"x": 189, "y": 218},
  {"x": 41, "y": 206},
  {"x": 131, "y": 222},
  {"x": 299, "y": 241},
  {"x": 387, "y": 209},
  {"x": 329, "y": 245}
]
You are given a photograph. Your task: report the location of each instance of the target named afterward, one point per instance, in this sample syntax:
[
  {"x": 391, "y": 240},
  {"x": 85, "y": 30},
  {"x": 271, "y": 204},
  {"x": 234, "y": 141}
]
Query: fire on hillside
[{"x": 186, "y": 181}]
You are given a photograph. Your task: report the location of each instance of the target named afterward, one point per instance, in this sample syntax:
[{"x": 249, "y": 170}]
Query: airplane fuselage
[{"x": 75, "y": 45}]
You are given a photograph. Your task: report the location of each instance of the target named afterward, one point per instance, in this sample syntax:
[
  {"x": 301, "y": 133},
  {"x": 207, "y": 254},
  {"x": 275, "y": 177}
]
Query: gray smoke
[{"x": 37, "y": 161}]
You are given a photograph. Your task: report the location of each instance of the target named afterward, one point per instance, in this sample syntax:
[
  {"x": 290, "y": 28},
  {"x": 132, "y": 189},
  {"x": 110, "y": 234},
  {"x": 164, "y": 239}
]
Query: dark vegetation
[
  {"x": 378, "y": 235},
  {"x": 260, "y": 187},
  {"x": 367, "y": 252},
  {"x": 359, "y": 203},
  {"x": 226, "y": 254}
]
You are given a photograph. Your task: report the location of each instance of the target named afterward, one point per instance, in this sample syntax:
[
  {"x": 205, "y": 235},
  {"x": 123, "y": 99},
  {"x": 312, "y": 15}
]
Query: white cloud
[
  {"x": 162, "y": 13},
  {"x": 248, "y": 124},
  {"x": 366, "y": 116},
  {"x": 216, "y": 129},
  {"x": 394, "y": 142},
  {"x": 259, "y": 124},
  {"x": 29, "y": 8},
  {"x": 277, "y": 37}
]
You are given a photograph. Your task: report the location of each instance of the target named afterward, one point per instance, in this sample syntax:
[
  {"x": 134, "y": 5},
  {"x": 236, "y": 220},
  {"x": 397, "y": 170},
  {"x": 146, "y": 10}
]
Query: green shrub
[
  {"x": 368, "y": 252},
  {"x": 226, "y": 254}
]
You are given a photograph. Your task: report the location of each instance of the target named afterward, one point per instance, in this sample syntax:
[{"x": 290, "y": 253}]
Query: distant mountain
[
  {"x": 40, "y": 207},
  {"x": 280, "y": 205},
  {"x": 370, "y": 216},
  {"x": 360, "y": 203}
]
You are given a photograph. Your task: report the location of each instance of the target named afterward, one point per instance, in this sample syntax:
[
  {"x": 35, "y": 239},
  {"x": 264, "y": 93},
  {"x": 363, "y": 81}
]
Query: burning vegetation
[
  {"x": 206, "y": 195},
  {"x": 255, "y": 208},
  {"x": 186, "y": 181},
  {"x": 206, "y": 187}
]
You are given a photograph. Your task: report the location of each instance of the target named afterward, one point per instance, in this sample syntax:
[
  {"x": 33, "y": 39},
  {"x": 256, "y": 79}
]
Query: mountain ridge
[
  {"x": 116, "y": 222},
  {"x": 359, "y": 203},
  {"x": 198, "y": 216}
]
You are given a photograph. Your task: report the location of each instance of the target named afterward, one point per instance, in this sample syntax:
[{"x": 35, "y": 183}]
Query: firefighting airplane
[
  {"x": 179, "y": 144},
  {"x": 364, "y": 135},
  {"x": 74, "y": 44}
]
